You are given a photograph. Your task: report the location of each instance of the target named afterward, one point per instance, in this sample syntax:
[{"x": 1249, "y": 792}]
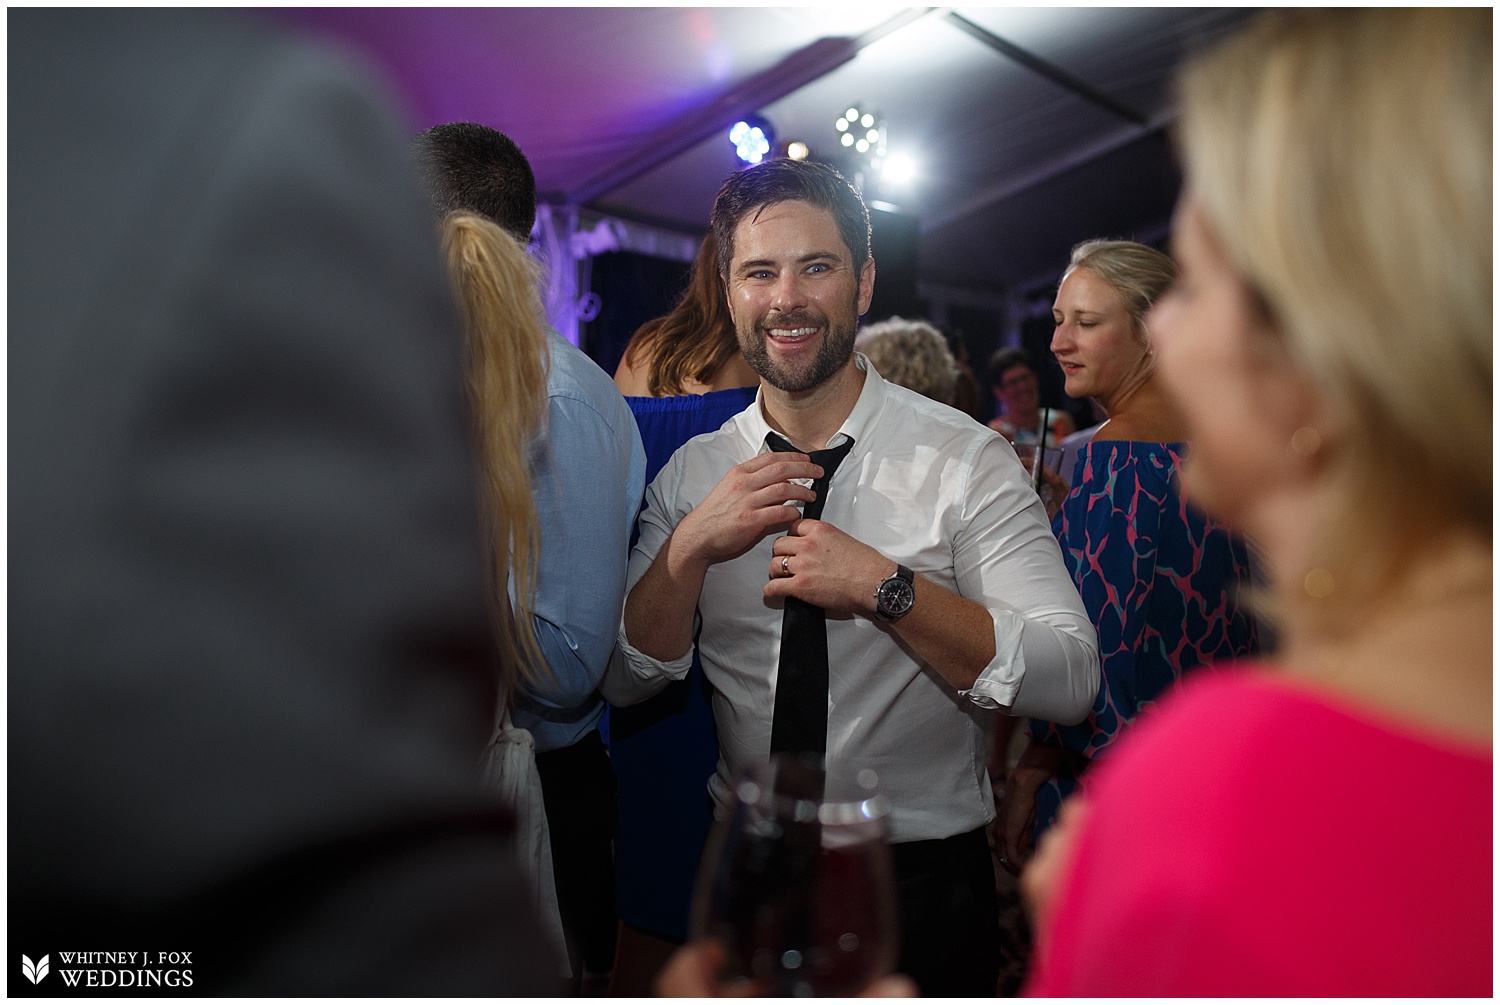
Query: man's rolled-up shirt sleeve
[
  {"x": 1046, "y": 662},
  {"x": 634, "y": 676}
]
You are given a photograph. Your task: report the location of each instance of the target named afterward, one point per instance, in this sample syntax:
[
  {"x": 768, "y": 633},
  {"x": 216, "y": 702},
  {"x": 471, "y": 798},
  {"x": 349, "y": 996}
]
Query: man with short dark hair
[
  {"x": 475, "y": 169},
  {"x": 941, "y": 593},
  {"x": 587, "y": 473}
]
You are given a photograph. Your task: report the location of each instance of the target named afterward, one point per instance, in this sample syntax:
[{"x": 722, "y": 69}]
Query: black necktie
[{"x": 800, "y": 720}]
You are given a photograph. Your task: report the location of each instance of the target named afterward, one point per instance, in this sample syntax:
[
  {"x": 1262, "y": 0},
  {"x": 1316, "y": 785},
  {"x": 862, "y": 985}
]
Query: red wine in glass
[{"x": 797, "y": 883}]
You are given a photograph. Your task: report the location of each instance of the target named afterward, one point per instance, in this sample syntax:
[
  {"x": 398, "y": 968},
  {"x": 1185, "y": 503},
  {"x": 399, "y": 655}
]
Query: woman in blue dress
[
  {"x": 682, "y": 375},
  {"x": 1161, "y": 582}
]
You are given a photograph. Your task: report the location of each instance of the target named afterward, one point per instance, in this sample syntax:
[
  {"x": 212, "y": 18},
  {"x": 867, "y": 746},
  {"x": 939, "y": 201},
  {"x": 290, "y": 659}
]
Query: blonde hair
[
  {"x": 1138, "y": 273},
  {"x": 1343, "y": 160},
  {"x": 912, "y": 354},
  {"x": 495, "y": 283}
]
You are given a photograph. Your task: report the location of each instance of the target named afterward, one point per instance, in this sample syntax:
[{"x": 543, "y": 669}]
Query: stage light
[
  {"x": 797, "y": 150},
  {"x": 864, "y": 133},
  {"x": 751, "y": 139},
  {"x": 899, "y": 169}
]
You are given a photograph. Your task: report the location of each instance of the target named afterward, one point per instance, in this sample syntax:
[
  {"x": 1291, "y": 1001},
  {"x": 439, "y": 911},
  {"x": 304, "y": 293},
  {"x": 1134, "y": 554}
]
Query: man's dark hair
[
  {"x": 1005, "y": 359},
  {"x": 475, "y": 169},
  {"x": 786, "y": 180}
]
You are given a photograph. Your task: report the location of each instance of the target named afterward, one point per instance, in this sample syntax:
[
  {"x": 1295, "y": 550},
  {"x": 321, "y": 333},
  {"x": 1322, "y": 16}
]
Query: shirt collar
[{"x": 860, "y": 419}]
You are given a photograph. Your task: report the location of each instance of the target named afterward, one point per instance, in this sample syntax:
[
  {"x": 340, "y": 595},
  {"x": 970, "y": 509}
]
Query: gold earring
[
  {"x": 1306, "y": 442},
  {"x": 1318, "y": 583}
]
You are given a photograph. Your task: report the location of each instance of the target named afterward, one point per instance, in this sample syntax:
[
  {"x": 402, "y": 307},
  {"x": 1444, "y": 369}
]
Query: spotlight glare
[
  {"x": 899, "y": 168},
  {"x": 861, "y": 145},
  {"x": 852, "y": 114},
  {"x": 797, "y": 150},
  {"x": 847, "y": 140},
  {"x": 867, "y": 120},
  {"x": 842, "y": 125},
  {"x": 873, "y": 136}
]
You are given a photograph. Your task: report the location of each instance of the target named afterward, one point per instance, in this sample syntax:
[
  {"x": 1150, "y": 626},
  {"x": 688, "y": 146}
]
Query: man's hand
[
  {"x": 1053, "y": 491},
  {"x": 1018, "y": 819},
  {"x": 748, "y": 503},
  {"x": 1038, "y": 763},
  {"x": 1041, "y": 882},
  {"x": 693, "y": 972},
  {"x": 822, "y": 565}
]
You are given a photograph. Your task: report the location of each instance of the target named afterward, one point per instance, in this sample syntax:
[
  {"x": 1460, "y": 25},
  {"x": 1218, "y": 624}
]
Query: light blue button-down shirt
[{"x": 588, "y": 472}]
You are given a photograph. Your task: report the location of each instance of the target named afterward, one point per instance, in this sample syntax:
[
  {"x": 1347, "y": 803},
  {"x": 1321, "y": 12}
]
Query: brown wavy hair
[{"x": 694, "y": 341}]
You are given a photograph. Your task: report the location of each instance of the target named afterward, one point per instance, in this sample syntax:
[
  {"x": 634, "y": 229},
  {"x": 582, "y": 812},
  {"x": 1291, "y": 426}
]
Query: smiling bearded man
[
  {"x": 943, "y": 594},
  {"x": 793, "y": 328},
  {"x": 832, "y": 354}
]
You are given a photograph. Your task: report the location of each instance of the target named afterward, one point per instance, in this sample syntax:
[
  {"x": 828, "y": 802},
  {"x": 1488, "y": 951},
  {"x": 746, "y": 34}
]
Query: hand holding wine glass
[
  {"x": 796, "y": 886},
  {"x": 693, "y": 972}
]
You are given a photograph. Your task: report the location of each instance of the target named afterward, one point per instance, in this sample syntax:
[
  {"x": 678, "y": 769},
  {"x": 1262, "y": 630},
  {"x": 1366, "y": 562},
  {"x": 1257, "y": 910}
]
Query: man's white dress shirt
[{"x": 930, "y": 488}]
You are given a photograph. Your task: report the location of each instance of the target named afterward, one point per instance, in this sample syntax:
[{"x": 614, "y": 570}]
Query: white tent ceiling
[{"x": 1032, "y": 128}]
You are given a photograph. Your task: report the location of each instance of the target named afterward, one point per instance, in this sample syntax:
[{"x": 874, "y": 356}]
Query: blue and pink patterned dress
[{"x": 1162, "y": 584}]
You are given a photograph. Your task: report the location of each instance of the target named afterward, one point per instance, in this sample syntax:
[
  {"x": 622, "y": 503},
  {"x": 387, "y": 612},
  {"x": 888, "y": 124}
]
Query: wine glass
[{"x": 797, "y": 881}]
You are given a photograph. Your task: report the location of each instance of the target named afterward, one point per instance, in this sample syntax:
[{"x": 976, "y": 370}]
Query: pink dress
[{"x": 1251, "y": 838}]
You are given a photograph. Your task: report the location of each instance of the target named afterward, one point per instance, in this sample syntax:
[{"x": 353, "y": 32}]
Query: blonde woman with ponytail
[
  {"x": 506, "y": 360},
  {"x": 505, "y": 342},
  {"x": 563, "y": 472}
]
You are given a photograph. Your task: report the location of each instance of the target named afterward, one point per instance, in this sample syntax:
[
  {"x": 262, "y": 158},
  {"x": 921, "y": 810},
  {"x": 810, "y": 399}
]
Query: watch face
[{"x": 895, "y": 597}]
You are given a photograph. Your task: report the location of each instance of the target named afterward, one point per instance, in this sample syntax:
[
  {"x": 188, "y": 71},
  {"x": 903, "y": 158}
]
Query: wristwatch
[{"x": 894, "y": 597}]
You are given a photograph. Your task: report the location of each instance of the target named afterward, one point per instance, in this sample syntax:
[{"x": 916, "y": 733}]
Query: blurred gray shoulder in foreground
[{"x": 249, "y": 654}]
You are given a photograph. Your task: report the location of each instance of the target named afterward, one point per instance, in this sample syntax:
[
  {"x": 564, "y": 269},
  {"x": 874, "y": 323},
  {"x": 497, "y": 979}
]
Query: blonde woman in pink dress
[{"x": 1320, "y": 824}]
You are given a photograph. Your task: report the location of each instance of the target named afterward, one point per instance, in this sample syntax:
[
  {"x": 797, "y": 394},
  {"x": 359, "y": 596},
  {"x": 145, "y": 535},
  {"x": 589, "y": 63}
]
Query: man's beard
[{"x": 837, "y": 347}]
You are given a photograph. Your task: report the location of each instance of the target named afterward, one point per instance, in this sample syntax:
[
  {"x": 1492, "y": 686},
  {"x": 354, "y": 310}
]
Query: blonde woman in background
[
  {"x": 505, "y": 342},
  {"x": 1161, "y": 581},
  {"x": 1323, "y": 825},
  {"x": 911, "y": 353}
]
